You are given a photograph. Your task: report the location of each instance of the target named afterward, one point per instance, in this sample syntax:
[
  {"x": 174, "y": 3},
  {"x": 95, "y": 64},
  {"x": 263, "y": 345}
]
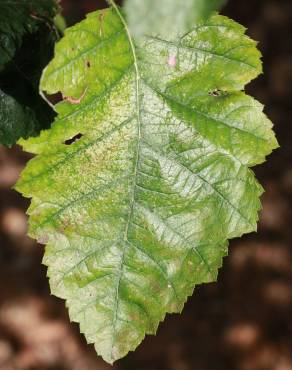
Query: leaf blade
[{"x": 153, "y": 194}]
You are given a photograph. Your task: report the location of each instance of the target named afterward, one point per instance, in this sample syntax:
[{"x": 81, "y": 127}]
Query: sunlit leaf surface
[{"x": 145, "y": 173}]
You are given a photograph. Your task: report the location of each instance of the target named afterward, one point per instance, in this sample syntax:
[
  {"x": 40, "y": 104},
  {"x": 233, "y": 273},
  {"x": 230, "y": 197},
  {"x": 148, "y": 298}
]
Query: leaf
[
  {"x": 27, "y": 38},
  {"x": 144, "y": 175},
  {"x": 167, "y": 18},
  {"x": 16, "y": 120},
  {"x": 20, "y": 17}
]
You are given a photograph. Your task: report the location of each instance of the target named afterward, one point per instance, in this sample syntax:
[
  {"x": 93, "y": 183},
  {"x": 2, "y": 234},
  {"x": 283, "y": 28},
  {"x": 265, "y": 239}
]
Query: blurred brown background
[{"x": 243, "y": 322}]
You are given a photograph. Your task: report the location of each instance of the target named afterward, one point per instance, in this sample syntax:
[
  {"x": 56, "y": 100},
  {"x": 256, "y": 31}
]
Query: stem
[{"x": 138, "y": 113}]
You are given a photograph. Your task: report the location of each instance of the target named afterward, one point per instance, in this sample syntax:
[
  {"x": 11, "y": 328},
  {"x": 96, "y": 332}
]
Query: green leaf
[
  {"x": 144, "y": 175},
  {"x": 27, "y": 38},
  {"x": 20, "y": 17},
  {"x": 16, "y": 120},
  {"x": 167, "y": 18}
]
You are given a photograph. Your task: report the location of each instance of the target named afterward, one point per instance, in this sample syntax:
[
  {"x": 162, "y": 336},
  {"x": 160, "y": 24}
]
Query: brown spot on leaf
[{"x": 215, "y": 93}]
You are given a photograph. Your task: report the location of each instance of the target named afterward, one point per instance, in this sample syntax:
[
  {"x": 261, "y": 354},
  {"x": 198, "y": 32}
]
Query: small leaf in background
[
  {"x": 16, "y": 120},
  {"x": 145, "y": 173},
  {"x": 27, "y": 38},
  {"x": 167, "y": 18},
  {"x": 19, "y": 18}
]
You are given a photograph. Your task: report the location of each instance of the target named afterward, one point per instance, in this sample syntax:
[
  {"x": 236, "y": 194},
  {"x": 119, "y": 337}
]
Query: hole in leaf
[
  {"x": 73, "y": 139},
  {"x": 54, "y": 98}
]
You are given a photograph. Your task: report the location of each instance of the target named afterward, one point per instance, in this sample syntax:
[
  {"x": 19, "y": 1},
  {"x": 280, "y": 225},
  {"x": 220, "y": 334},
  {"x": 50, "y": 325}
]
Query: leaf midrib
[{"x": 135, "y": 175}]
